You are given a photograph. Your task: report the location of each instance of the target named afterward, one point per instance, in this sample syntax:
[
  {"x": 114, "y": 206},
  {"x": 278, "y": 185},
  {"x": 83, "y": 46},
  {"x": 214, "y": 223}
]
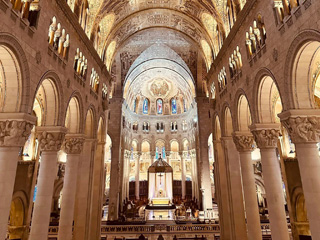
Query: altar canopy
[{"x": 160, "y": 178}]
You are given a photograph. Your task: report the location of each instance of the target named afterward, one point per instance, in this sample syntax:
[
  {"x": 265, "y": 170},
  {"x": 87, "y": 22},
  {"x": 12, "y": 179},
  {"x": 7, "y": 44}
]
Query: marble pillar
[
  {"x": 222, "y": 192},
  {"x": 50, "y": 141},
  {"x": 73, "y": 146},
  {"x": 115, "y": 130},
  {"x": 82, "y": 204},
  {"x": 244, "y": 143},
  {"x": 97, "y": 183},
  {"x": 15, "y": 129},
  {"x": 184, "y": 155},
  {"x": 266, "y": 137},
  {"x": 137, "y": 175},
  {"x": 303, "y": 127},
  {"x": 237, "y": 213}
]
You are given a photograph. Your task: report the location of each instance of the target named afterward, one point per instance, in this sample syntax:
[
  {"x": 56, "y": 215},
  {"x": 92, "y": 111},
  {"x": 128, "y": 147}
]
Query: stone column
[
  {"x": 304, "y": 130},
  {"x": 266, "y": 137},
  {"x": 14, "y": 134},
  {"x": 50, "y": 141},
  {"x": 237, "y": 214},
  {"x": 137, "y": 175},
  {"x": 244, "y": 143},
  {"x": 97, "y": 182},
  {"x": 184, "y": 155},
  {"x": 73, "y": 146},
  {"x": 115, "y": 130},
  {"x": 82, "y": 205},
  {"x": 222, "y": 190}
]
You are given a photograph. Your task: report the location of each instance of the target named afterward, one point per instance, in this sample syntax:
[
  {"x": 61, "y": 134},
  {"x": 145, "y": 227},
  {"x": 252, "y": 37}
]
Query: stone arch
[
  {"x": 74, "y": 114},
  {"x": 217, "y": 128},
  {"x": 135, "y": 145},
  {"x": 16, "y": 217},
  {"x": 120, "y": 35},
  {"x": 89, "y": 128},
  {"x": 22, "y": 203},
  {"x": 267, "y": 98},
  {"x": 20, "y": 88},
  {"x": 145, "y": 145},
  {"x": 185, "y": 144},
  {"x": 243, "y": 113},
  {"x": 101, "y": 130},
  {"x": 227, "y": 122},
  {"x": 49, "y": 95},
  {"x": 174, "y": 145},
  {"x": 301, "y": 55},
  {"x": 298, "y": 203}
]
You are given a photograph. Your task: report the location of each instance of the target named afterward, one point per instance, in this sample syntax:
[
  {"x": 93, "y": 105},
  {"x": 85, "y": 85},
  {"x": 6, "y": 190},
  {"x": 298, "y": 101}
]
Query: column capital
[
  {"x": 266, "y": 135},
  {"x": 184, "y": 154},
  {"x": 244, "y": 141},
  {"x": 50, "y": 138},
  {"x": 15, "y": 129},
  {"x": 73, "y": 143},
  {"x": 303, "y": 126},
  {"x": 136, "y": 155}
]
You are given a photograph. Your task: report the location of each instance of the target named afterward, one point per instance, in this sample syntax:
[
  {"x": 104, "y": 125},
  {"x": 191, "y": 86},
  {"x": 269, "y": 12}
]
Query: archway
[
  {"x": 10, "y": 81},
  {"x": 16, "y": 219}
]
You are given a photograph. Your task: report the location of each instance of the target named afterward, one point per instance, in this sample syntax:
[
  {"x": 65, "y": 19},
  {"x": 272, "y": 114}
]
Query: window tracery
[
  {"x": 104, "y": 91},
  {"x": 255, "y": 38},
  {"x": 94, "y": 80},
  {"x": 222, "y": 79},
  {"x": 58, "y": 39},
  {"x": 80, "y": 64},
  {"x": 29, "y": 10},
  {"x": 235, "y": 63}
]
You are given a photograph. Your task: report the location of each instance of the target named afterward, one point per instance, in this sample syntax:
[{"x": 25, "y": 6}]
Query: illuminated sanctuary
[{"x": 159, "y": 119}]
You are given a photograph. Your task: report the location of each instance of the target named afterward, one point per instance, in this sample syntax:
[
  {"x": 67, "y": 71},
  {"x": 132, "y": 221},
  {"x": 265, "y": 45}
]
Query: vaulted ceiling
[{"x": 111, "y": 24}]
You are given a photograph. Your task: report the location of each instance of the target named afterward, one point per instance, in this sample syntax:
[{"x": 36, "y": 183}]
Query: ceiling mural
[{"x": 159, "y": 88}]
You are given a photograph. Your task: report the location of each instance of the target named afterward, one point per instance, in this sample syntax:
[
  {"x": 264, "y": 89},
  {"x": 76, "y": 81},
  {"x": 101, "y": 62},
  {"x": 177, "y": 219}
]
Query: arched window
[
  {"x": 145, "y": 106},
  {"x": 174, "y": 106},
  {"x": 159, "y": 106},
  {"x": 184, "y": 105}
]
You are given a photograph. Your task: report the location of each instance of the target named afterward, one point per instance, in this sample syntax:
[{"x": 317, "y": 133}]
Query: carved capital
[
  {"x": 73, "y": 145},
  {"x": 266, "y": 138},
  {"x": 185, "y": 154},
  {"x": 303, "y": 126},
  {"x": 243, "y": 142},
  {"x": 14, "y": 133},
  {"x": 303, "y": 129},
  {"x": 50, "y": 139}
]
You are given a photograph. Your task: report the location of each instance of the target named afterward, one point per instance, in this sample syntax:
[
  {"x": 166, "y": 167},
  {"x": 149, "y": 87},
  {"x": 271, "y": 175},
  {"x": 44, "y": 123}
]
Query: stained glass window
[
  {"x": 157, "y": 152},
  {"x": 159, "y": 106},
  {"x": 174, "y": 106},
  {"x": 163, "y": 152},
  {"x": 145, "y": 106}
]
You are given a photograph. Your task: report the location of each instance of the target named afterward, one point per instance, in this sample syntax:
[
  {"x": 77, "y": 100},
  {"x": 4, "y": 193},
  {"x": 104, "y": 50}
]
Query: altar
[
  {"x": 160, "y": 201},
  {"x": 160, "y": 178}
]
